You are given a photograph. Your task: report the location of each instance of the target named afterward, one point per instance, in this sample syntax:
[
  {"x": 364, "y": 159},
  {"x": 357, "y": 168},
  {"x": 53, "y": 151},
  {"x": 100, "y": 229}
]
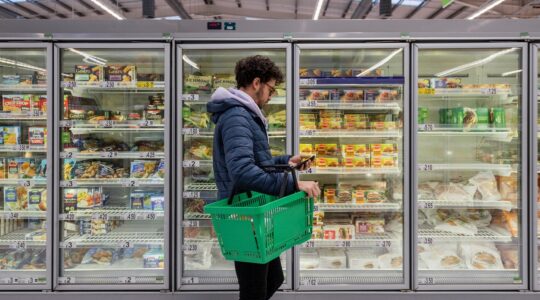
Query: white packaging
[{"x": 332, "y": 259}]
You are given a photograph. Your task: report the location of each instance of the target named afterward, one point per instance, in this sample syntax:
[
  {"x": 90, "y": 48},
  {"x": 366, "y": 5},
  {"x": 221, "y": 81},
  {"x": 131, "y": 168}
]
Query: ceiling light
[
  {"x": 483, "y": 10},
  {"x": 88, "y": 58},
  {"x": 109, "y": 10},
  {"x": 190, "y": 62},
  {"x": 380, "y": 63},
  {"x": 19, "y": 64},
  {"x": 511, "y": 72},
  {"x": 474, "y": 63},
  {"x": 318, "y": 10}
]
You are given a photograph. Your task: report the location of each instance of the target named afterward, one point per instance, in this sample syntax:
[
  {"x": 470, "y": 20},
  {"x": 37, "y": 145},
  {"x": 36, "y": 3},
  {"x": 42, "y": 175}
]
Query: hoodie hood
[{"x": 223, "y": 99}]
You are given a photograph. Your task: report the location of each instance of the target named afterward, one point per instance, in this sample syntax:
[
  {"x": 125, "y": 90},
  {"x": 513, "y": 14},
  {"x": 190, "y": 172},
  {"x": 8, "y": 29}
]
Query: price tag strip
[
  {"x": 190, "y": 280},
  {"x": 66, "y": 280},
  {"x": 191, "y": 163},
  {"x": 191, "y": 194},
  {"x": 190, "y": 97}
]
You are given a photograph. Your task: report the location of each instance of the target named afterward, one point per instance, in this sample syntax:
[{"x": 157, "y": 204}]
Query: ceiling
[{"x": 264, "y": 9}]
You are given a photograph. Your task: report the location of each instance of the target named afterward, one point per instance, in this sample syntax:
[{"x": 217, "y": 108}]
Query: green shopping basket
[{"x": 256, "y": 228}]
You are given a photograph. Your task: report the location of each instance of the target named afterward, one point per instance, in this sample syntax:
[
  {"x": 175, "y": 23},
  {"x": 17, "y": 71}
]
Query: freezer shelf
[
  {"x": 123, "y": 182},
  {"x": 202, "y": 99},
  {"x": 381, "y": 81},
  {"x": 427, "y": 235},
  {"x": 437, "y": 130},
  {"x": 23, "y": 88},
  {"x": 348, "y": 207},
  {"x": 115, "y": 240},
  {"x": 503, "y": 205},
  {"x": 112, "y": 214},
  {"x": 23, "y": 277},
  {"x": 433, "y": 277},
  {"x": 317, "y": 277},
  {"x": 98, "y": 278},
  {"x": 346, "y": 171},
  {"x": 108, "y": 86},
  {"x": 32, "y": 116},
  {"x": 504, "y": 170},
  {"x": 209, "y": 133},
  {"x": 382, "y": 240},
  {"x": 23, "y": 214},
  {"x": 113, "y": 155},
  {"x": 123, "y": 267},
  {"x": 23, "y": 182},
  {"x": 318, "y": 104},
  {"x": 18, "y": 240},
  {"x": 23, "y": 148},
  {"x": 313, "y": 133}
]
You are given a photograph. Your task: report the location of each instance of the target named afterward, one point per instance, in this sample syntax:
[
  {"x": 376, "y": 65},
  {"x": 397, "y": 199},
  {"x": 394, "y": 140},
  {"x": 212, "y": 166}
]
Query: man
[{"x": 241, "y": 147}]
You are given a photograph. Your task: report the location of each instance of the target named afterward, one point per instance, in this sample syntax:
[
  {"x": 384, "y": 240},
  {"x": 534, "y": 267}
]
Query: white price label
[
  {"x": 68, "y": 217},
  {"x": 308, "y": 171},
  {"x": 130, "y": 183},
  {"x": 191, "y": 194},
  {"x": 146, "y": 123},
  {"x": 12, "y": 215},
  {"x": 309, "y": 244},
  {"x": 21, "y": 147},
  {"x": 191, "y": 163},
  {"x": 489, "y": 91},
  {"x": 15, "y": 280},
  {"x": 29, "y": 280},
  {"x": 125, "y": 244},
  {"x": 426, "y": 204},
  {"x": 312, "y": 103},
  {"x": 100, "y": 216},
  {"x": 191, "y": 131},
  {"x": 190, "y": 280},
  {"x": 428, "y": 281},
  {"x": 315, "y": 207},
  {"x": 19, "y": 245},
  {"x": 66, "y": 154},
  {"x": 127, "y": 279},
  {"x": 26, "y": 183},
  {"x": 191, "y": 223},
  {"x": 190, "y": 248},
  {"x": 66, "y": 123},
  {"x": 68, "y": 245},
  {"x": 35, "y": 113},
  {"x": 425, "y": 167},
  {"x": 68, "y": 183},
  {"x": 312, "y": 281},
  {"x": 6, "y": 280},
  {"x": 107, "y": 84},
  {"x": 309, "y": 132},
  {"x": 308, "y": 81},
  {"x": 106, "y": 123},
  {"x": 69, "y": 84},
  {"x": 426, "y": 241},
  {"x": 426, "y": 127},
  {"x": 384, "y": 244},
  {"x": 131, "y": 216},
  {"x": 66, "y": 280},
  {"x": 344, "y": 244},
  {"x": 150, "y": 216},
  {"x": 109, "y": 154},
  {"x": 150, "y": 154},
  {"x": 190, "y": 97}
]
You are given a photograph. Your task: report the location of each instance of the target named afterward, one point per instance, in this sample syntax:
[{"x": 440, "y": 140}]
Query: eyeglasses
[{"x": 272, "y": 89}]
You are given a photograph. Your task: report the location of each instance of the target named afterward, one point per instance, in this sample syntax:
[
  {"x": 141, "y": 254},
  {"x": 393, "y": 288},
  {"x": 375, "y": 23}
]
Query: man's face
[{"x": 264, "y": 92}]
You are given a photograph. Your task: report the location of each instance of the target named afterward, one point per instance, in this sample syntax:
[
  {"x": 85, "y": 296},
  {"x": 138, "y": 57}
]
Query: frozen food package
[
  {"x": 356, "y": 162},
  {"x": 458, "y": 225},
  {"x": 451, "y": 192},
  {"x": 351, "y": 150},
  {"x": 425, "y": 192},
  {"x": 224, "y": 81},
  {"x": 326, "y": 149},
  {"x": 327, "y": 162},
  {"x": 315, "y": 94},
  {"x": 366, "y": 226},
  {"x": 395, "y": 225},
  {"x": 479, "y": 217},
  {"x": 487, "y": 186},
  {"x": 362, "y": 260},
  {"x": 88, "y": 73},
  {"x": 11, "y": 202},
  {"x": 199, "y": 259},
  {"x": 508, "y": 187},
  {"x": 16, "y": 103},
  {"x": 442, "y": 259},
  {"x": 329, "y": 193},
  {"x": 391, "y": 261},
  {"x": 309, "y": 259},
  {"x": 10, "y": 135},
  {"x": 435, "y": 217},
  {"x": 351, "y": 95},
  {"x": 387, "y": 95},
  {"x": 344, "y": 193},
  {"x": 317, "y": 233},
  {"x": 507, "y": 221},
  {"x": 332, "y": 259},
  {"x": 338, "y": 232},
  {"x": 37, "y": 135},
  {"x": 120, "y": 73},
  {"x": 101, "y": 256},
  {"x": 154, "y": 259},
  {"x": 481, "y": 256},
  {"x": 509, "y": 256},
  {"x": 197, "y": 84}
]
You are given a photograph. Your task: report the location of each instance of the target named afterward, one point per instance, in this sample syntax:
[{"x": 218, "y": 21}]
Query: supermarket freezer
[
  {"x": 112, "y": 181},
  {"x": 25, "y": 172},
  {"x": 351, "y": 112},
  {"x": 201, "y": 69},
  {"x": 470, "y": 180},
  {"x": 534, "y": 117}
]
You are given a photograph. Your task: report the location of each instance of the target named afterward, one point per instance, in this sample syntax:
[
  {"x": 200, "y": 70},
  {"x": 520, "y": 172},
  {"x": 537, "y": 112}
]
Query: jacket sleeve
[
  {"x": 240, "y": 159},
  {"x": 281, "y": 160}
]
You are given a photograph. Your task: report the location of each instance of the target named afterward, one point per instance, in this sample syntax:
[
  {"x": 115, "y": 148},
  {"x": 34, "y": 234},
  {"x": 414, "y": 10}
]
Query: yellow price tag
[
  {"x": 426, "y": 91},
  {"x": 145, "y": 84}
]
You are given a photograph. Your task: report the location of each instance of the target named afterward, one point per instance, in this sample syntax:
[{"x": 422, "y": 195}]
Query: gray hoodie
[{"x": 242, "y": 97}]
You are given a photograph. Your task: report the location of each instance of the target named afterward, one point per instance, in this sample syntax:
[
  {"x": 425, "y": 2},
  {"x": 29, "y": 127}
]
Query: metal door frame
[
  {"x": 166, "y": 188},
  {"x": 179, "y": 147},
  {"x": 406, "y": 165},
  {"x": 524, "y": 162},
  {"x": 533, "y": 75}
]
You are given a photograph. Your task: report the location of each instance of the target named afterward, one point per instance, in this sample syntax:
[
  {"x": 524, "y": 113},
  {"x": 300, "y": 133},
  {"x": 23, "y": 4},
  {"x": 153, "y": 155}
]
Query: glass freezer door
[
  {"x": 202, "y": 70},
  {"x": 25, "y": 74},
  {"x": 112, "y": 125},
  {"x": 535, "y": 79},
  {"x": 469, "y": 177},
  {"x": 352, "y": 110}
]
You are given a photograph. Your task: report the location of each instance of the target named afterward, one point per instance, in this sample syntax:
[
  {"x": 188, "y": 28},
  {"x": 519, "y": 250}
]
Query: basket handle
[{"x": 283, "y": 168}]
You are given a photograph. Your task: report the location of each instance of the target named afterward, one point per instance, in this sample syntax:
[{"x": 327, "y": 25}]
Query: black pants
[{"x": 259, "y": 281}]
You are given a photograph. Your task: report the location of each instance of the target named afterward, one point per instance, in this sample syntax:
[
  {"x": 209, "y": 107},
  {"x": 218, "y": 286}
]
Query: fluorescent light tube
[
  {"x": 19, "y": 64},
  {"x": 318, "y": 10},
  {"x": 510, "y": 73},
  {"x": 109, "y": 10},
  {"x": 190, "y": 62},
  {"x": 475, "y": 63},
  {"x": 484, "y": 9},
  {"x": 88, "y": 58},
  {"x": 380, "y": 63}
]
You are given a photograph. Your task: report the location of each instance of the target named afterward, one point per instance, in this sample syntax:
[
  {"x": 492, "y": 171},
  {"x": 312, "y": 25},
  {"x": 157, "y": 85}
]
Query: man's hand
[
  {"x": 294, "y": 160},
  {"x": 310, "y": 187}
]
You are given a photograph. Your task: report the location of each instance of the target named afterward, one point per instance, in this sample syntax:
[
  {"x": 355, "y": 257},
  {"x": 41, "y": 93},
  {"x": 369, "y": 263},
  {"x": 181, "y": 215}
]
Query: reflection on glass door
[
  {"x": 536, "y": 214},
  {"x": 202, "y": 70},
  {"x": 469, "y": 173},
  {"x": 351, "y": 115},
  {"x": 112, "y": 166},
  {"x": 24, "y": 237}
]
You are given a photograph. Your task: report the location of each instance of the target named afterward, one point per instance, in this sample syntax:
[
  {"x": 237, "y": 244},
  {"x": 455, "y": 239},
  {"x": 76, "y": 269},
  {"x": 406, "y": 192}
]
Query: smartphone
[{"x": 299, "y": 165}]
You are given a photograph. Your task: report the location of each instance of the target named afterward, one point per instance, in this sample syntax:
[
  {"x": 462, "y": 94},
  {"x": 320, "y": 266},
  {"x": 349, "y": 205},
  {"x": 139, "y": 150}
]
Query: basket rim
[{"x": 221, "y": 206}]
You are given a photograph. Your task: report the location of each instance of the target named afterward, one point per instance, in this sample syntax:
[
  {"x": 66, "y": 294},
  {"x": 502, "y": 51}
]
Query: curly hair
[{"x": 249, "y": 68}]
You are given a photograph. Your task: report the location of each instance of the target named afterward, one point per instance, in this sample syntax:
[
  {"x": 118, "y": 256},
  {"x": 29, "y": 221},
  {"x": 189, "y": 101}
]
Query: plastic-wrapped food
[
  {"x": 369, "y": 225},
  {"x": 510, "y": 256},
  {"x": 507, "y": 221},
  {"x": 143, "y": 168},
  {"x": 470, "y": 119},
  {"x": 195, "y": 206},
  {"x": 392, "y": 260},
  {"x": 338, "y": 232},
  {"x": 487, "y": 186},
  {"x": 395, "y": 225},
  {"x": 317, "y": 233},
  {"x": 362, "y": 260},
  {"x": 481, "y": 256},
  {"x": 154, "y": 259},
  {"x": 309, "y": 259},
  {"x": 508, "y": 187},
  {"x": 479, "y": 217},
  {"x": 200, "y": 151},
  {"x": 199, "y": 259},
  {"x": 442, "y": 256},
  {"x": 458, "y": 226},
  {"x": 436, "y": 217},
  {"x": 451, "y": 192},
  {"x": 332, "y": 259},
  {"x": 102, "y": 256}
]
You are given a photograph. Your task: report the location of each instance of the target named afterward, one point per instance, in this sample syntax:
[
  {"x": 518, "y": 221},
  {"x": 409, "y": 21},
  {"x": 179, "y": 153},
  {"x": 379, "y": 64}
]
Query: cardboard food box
[
  {"x": 88, "y": 73},
  {"x": 16, "y": 103},
  {"x": 37, "y": 135},
  {"x": 120, "y": 73}
]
